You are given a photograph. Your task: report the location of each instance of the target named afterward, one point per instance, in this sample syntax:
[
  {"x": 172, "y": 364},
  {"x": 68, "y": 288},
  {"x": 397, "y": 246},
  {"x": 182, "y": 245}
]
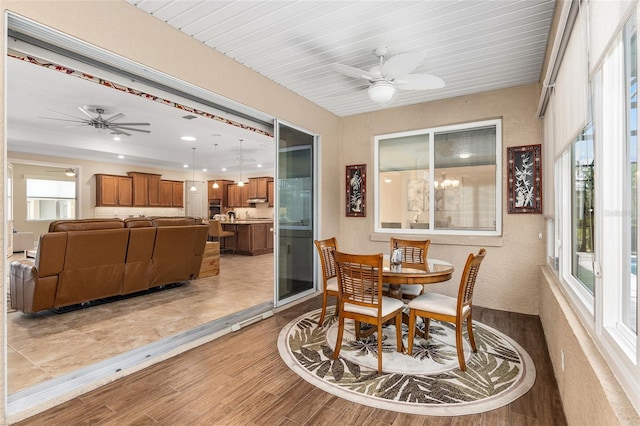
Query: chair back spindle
[
  {"x": 414, "y": 252},
  {"x": 360, "y": 283},
  {"x": 469, "y": 275},
  {"x": 326, "y": 248}
]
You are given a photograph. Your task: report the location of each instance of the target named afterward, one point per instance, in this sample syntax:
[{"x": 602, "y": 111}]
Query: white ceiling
[{"x": 473, "y": 45}]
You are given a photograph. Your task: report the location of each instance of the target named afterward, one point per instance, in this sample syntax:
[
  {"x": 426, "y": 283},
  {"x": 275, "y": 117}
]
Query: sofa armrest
[{"x": 30, "y": 292}]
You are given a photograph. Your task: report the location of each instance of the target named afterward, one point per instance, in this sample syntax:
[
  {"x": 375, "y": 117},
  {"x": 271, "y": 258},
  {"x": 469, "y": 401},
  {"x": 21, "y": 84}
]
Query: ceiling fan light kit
[
  {"x": 386, "y": 78},
  {"x": 70, "y": 172},
  {"x": 381, "y": 92}
]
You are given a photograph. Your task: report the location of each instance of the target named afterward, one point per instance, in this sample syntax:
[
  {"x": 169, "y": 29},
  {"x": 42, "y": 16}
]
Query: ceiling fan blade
[
  {"x": 115, "y": 117},
  {"x": 129, "y": 128},
  {"x": 86, "y": 113},
  {"x": 115, "y": 131},
  {"x": 62, "y": 113},
  {"x": 402, "y": 64},
  {"x": 419, "y": 82},
  {"x": 77, "y": 120},
  {"x": 130, "y": 124},
  {"x": 351, "y": 71}
]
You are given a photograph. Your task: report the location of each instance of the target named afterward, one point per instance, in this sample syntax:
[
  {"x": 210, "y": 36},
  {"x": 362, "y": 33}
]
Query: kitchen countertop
[{"x": 247, "y": 221}]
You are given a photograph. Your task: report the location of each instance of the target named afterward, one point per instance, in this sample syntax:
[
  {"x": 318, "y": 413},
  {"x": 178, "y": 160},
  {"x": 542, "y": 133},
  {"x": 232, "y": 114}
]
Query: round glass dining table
[{"x": 437, "y": 271}]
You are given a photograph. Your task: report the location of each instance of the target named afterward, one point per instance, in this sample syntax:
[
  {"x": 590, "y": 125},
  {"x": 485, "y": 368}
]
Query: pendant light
[
  {"x": 193, "y": 172},
  {"x": 241, "y": 183},
  {"x": 215, "y": 152}
]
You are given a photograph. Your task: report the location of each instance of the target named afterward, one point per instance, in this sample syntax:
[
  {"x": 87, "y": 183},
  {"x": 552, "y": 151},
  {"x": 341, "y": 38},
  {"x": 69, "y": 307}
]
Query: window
[
  {"x": 582, "y": 196},
  {"x": 51, "y": 199},
  {"x": 441, "y": 180},
  {"x": 630, "y": 285},
  {"x": 595, "y": 228}
]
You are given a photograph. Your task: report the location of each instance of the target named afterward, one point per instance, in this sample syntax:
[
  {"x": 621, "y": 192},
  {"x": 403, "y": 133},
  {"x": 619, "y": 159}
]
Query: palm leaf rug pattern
[{"x": 431, "y": 384}]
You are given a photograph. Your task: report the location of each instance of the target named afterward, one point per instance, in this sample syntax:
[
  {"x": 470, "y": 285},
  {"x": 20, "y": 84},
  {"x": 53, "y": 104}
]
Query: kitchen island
[{"x": 252, "y": 236}]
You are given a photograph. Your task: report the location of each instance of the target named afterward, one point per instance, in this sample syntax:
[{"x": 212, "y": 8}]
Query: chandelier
[{"x": 445, "y": 183}]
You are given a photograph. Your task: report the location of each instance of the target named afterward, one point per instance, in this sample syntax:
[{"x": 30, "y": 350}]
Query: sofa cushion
[
  {"x": 52, "y": 249},
  {"x": 93, "y": 266},
  {"x": 177, "y": 254},
  {"x": 85, "y": 224},
  {"x": 137, "y": 268},
  {"x": 137, "y": 222},
  {"x": 175, "y": 221}
]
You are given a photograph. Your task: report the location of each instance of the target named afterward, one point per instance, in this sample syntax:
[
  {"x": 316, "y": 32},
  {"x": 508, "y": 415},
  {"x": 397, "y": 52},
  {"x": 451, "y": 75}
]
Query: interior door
[
  {"x": 196, "y": 205},
  {"x": 294, "y": 207}
]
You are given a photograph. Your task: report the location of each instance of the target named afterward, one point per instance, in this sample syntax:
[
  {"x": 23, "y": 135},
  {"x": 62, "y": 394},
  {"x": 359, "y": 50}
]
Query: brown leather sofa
[{"x": 83, "y": 260}]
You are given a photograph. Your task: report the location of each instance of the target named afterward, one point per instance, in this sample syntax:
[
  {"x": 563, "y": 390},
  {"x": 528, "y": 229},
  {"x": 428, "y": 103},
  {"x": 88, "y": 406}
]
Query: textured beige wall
[
  {"x": 589, "y": 391},
  {"x": 507, "y": 280}
]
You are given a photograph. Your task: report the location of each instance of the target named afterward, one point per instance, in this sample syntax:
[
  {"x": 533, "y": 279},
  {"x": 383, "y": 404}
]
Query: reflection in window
[
  {"x": 583, "y": 209},
  {"x": 630, "y": 287},
  {"x": 51, "y": 199},
  {"x": 439, "y": 180}
]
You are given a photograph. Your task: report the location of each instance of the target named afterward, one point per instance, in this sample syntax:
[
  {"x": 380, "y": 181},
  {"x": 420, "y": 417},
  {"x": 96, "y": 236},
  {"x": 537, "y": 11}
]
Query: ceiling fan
[
  {"x": 392, "y": 74},
  {"x": 71, "y": 172},
  {"x": 100, "y": 122}
]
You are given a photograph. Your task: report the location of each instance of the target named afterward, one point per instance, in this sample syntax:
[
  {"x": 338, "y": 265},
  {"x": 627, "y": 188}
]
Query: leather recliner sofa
[{"x": 83, "y": 260}]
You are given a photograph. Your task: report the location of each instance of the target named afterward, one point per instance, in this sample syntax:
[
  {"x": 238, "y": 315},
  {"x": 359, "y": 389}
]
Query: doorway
[
  {"x": 296, "y": 203},
  {"x": 162, "y": 304}
]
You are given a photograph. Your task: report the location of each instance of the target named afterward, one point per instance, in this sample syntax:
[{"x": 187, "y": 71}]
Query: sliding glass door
[{"x": 294, "y": 213}]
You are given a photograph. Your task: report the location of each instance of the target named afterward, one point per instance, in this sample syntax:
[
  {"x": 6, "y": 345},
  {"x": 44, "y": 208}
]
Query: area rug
[{"x": 428, "y": 383}]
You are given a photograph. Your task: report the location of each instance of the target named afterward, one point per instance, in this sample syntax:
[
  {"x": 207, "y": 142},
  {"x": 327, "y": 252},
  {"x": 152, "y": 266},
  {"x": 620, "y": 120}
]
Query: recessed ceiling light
[
  {"x": 224, "y": 169},
  {"x": 185, "y": 166},
  {"x": 465, "y": 155},
  {"x": 204, "y": 170},
  {"x": 188, "y": 138},
  {"x": 121, "y": 156},
  {"x": 116, "y": 138},
  {"x": 387, "y": 180},
  {"x": 259, "y": 166}
]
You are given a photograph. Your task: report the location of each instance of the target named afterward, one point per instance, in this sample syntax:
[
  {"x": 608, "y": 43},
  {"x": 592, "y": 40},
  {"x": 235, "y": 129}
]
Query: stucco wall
[
  {"x": 589, "y": 391},
  {"x": 507, "y": 279}
]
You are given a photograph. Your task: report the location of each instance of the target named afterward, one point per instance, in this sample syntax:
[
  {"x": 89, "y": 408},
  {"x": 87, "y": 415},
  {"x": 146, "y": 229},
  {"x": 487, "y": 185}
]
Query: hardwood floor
[{"x": 240, "y": 379}]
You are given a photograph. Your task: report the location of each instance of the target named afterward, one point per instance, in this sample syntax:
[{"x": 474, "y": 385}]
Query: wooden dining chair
[
  {"x": 361, "y": 298},
  {"x": 449, "y": 309},
  {"x": 414, "y": 255},
  {"x": 326, "y": 248}
]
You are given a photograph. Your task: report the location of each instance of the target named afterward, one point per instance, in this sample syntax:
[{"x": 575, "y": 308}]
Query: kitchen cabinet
[
  {"x": 238, "y": 195},
  {"x": 114, "y": 191},
  {"x": 251, "y": 237},
  {"x": 178, "y": 193},
  {"x": 146, "y": 189},
  {"x": 172, "y": 193},
  {"x": 219, "y": 194},
  {"x": 258, "y": 187},
  {"x": 271, "y": 198}
]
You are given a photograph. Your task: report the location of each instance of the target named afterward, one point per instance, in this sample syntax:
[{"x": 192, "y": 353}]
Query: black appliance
[{"x": 214, "y": 209}]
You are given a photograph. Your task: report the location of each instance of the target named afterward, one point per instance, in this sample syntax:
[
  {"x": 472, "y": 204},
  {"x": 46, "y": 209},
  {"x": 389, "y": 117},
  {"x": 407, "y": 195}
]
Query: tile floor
[{"x": 47, "y": 345}]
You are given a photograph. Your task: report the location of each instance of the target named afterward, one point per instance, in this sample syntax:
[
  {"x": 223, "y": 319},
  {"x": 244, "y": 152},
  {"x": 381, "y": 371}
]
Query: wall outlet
[{"x": 562, "y": 360}]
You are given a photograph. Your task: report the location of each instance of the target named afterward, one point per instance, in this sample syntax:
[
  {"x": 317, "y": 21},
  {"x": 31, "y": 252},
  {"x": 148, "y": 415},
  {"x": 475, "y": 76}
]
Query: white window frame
[
  {"x": 601, "y": 314},
  {"x": 431, "y": 132}
]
